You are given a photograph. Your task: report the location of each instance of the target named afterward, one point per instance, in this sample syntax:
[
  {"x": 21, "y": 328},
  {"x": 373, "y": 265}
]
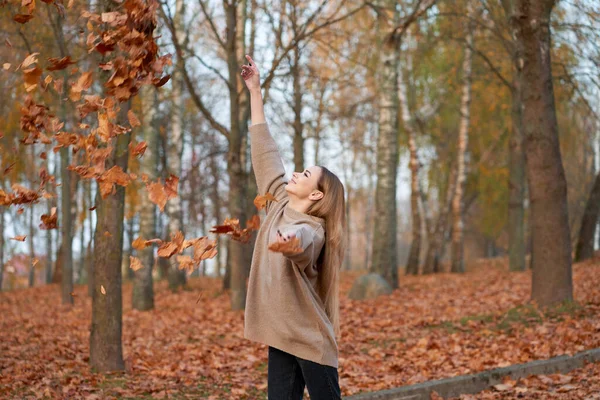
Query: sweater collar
[{"x": 297, "y": 215}]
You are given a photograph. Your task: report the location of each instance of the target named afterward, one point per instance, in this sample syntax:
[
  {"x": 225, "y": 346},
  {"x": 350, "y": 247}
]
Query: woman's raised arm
[
  {"x": 251, "y": 77},
  {"x": 266, "y": 160}
]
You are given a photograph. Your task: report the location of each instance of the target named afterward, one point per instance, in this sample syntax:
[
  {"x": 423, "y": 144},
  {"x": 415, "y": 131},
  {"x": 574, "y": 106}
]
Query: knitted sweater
[{"x": 283, "y": 309}]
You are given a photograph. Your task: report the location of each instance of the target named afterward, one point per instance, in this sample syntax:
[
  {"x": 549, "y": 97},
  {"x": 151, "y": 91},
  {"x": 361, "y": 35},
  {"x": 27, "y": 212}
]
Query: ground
[{"x": 192, "y": 346}]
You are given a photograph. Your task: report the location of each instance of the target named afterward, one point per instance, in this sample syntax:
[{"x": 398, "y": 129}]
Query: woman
[{"x": 292, "y": 304}]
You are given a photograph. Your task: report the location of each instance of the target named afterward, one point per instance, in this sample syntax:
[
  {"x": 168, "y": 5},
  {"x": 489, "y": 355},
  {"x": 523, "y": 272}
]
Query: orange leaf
[
  {"x": 292, "y": 246},
  {"x": 19, "y": 238},
  {"x": 49, "y": 221},
  {"x": 261, "y": 201},
  {"x": 135, "y": 263},
  {"x": 133, "y": 120},
  {"x": 253, "y": 223},
  {"x": 139, "y": 243},
  {"x": 22, "y": 18}
]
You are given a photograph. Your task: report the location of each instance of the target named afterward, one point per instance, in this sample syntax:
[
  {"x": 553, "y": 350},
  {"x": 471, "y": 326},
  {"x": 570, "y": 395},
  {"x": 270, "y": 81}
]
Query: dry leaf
[
  {"x": 135, "y": 263},
  {"x": 102, "y": 290},
  {"x": 19, "y": 238},
  {"x": 133, "y": 120},
  {"x": 292, "y": 246},
  {"x": 261, "y": 201}
]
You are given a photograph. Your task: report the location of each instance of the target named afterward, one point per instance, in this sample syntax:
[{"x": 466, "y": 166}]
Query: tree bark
[
  {"x": 1, "y": 246},
  {"x": 585, "y": 241},
  {"x": 438, "y": 232},
  {"x": 412, "y": 265},
  {"x": 31, "y": 280},
  {"x": 174, "y": 150},
  {"x": 106, "y": 350},
  {"x": 385, "y": 260},
  {"x": 552, "y": 275},
  {"x": 143, "y": 290},
  {"x": 458, "y": 262}
]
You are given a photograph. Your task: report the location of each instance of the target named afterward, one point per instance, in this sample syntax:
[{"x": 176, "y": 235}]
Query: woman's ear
[{"x": 316, "y": 195}]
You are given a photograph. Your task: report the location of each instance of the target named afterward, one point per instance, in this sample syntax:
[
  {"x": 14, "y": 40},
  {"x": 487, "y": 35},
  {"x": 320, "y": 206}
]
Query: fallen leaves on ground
[{"x": 432, "y": 327}]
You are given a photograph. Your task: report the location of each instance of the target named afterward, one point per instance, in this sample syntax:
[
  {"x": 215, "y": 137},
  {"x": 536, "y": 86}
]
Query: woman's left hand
[{"x": 284, "y": 237}]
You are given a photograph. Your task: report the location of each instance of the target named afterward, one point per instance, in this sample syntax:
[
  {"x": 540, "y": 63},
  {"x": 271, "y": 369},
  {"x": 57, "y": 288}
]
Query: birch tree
[{"x": 463, "y": 138}]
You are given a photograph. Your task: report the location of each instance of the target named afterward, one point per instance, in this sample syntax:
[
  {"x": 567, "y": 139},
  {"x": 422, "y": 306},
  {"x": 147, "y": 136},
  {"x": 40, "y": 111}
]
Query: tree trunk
[
  {"x": 516, "y": 183},
  {"x": 458, "y": 262},
  {"x": 216, "y": 199},
  {"x": 552, "y": 275},
  {"x": 31, "y": 279},
  {"x": 385, "y": 260},
  {"x": 438, "y": 232},
  {"x": 90, "y": 248},
  {"x": 1, "y": 246},
  {"x": 174, "y": 151},
  {"x": 585, "y": 241},
  {"x": 66, "y": 249},
  {"x": 412, "y": 265},
  {"x": 297, "y": 108},
  {"x": 49, "y": 250},
  {"x": 106, "y": 350},
  {"x": 143, "y": 291}
]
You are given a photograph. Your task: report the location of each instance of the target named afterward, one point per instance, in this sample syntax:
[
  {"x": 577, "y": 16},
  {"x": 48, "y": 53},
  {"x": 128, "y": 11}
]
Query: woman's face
[{"x": 304, "y": 184}]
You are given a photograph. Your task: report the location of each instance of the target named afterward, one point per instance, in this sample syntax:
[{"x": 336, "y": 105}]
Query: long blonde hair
[{"x": 332, "y": 208}]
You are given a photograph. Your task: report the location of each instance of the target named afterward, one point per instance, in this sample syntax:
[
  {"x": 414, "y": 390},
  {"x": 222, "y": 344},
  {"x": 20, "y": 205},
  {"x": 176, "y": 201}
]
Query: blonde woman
[{"x": 293, "y": 302}]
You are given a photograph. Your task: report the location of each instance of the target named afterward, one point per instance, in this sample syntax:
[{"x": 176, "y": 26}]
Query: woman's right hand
[{"x": 250, "y": 74}]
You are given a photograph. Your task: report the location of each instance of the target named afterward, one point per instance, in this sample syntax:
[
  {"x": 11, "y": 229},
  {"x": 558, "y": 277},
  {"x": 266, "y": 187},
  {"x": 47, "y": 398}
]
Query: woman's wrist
[{"x": 255, "y": 92}]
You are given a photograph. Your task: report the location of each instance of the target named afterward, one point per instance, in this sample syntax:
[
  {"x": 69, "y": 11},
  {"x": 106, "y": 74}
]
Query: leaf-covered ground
[{"x": 192, "y": 346}]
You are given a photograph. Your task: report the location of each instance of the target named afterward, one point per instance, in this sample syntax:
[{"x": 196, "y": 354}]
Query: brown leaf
[
  {"x": 253, "y": 223},
  {"x": 20, "y": 238},
  {"x": 30, "y": 59},
  {"x": 171, "y": 186},
  {"x": 59, "y": 63},
  {"x": 139, "y": 243},
  {"x": 133, "y": 120},
  {"x": 139, "y": 149},
  {"x": 49, "y": 221},
  {"x": 6, "y": 66},
  {"x": 157, "y": 195},
  {"x": 292, "y": 246},
  {"x": 102, "y": 290},
  {"x": 261, "y": 201},
  {"x": 22, "y": 18},
  {"x": 135, "y": 263}
]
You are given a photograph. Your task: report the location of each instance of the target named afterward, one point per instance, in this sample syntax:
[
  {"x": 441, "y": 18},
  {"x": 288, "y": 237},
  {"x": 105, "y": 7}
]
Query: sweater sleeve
[
  {"x": 267, "y": 164},
  {"x": 311, "y": 242}
]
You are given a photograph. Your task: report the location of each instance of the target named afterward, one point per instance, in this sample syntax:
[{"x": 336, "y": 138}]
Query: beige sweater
[{"x": 283, "y": 309}]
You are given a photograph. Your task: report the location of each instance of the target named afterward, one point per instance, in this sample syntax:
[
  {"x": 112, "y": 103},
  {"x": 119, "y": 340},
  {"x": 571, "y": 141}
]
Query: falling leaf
[
  {"x": 261, "y": 201},
  {"x": 107, "y": 234},
  {"x": 20, "y": 211},
  {"x": 30, "y": 59},
  {"x": 171, "y": 186},
  {"x": 6, "y": 66},
  {"x": 139, "y": 243},
  {"x": 139, "y": 149},
  {"x": 35, "y": 262},
  {"x": 135, "y": 263},
  {"x": 102, "y": 290},
  {"x": 292, "y": 246},
  {"x": 22, "y": 18},
  {"x": 19, "y": 238},
  {"x": 49, "y": 221},
  {"x": 133, "y": 120},
  {"x": 59, "y": 63},
  {"x": 157, "y": 195},
  {"x": 253, "y": 223}
]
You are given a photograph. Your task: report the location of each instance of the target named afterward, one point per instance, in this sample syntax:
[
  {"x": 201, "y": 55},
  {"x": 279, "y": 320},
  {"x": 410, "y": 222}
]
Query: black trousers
[{"x": 289, "y": 374}]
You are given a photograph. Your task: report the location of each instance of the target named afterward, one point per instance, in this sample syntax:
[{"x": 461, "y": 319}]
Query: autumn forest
[{"x": 466, "y": 135}]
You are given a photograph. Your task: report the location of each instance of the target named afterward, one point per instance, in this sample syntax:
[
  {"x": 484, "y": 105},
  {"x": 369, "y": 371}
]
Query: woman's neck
[{"x": 298, "y": 204}]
